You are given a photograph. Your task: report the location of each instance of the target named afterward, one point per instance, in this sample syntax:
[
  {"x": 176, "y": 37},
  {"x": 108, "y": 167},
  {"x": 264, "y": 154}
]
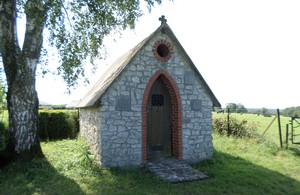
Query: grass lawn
[{"x": 239, "y": 166}]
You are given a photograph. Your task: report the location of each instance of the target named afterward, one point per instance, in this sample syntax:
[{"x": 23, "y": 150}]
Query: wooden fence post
[
  {"x": 228, "y": 123},
  {"x": 287, "y": 135},
  {"x": 279, "y": 127}
]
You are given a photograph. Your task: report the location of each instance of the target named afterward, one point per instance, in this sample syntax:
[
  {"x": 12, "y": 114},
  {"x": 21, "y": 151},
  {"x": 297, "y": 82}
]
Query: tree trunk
[
  {"x": 20, "y": 69},
  {"x": 22, "y": 103}
]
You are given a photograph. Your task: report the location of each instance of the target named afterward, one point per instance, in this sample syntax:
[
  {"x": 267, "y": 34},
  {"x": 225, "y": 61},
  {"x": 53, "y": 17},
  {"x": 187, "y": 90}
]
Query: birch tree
[{"x": 76, "y": 29}]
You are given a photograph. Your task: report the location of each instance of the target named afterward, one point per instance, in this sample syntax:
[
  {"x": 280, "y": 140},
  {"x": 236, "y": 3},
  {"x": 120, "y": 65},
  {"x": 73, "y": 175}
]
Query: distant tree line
[
  {"x": 264, "y": 112},
  {"x": 235, "y": 108},
  {"x": 240, "y": 108},
  {"x": 291, "y": 112}
]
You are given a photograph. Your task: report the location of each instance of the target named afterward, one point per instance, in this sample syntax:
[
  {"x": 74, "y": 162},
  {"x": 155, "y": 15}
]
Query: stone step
[{"x": 171, "y": 170}]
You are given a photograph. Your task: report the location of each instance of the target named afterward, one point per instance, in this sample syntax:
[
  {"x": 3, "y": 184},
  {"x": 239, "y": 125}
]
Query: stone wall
[
  {"x": 90, "y": 129},
  {"x": 120, "y": 134},
  {"x": 121, "y": 109},
  {"x": 196, "y": 125}
]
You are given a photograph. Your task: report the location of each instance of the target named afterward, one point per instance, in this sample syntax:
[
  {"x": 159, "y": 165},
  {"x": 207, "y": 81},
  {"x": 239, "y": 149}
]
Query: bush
[
  {"x": 291, "y": 112},
  {"x": 60, "y": 124},
  {"x": 236, "y": 128},
  {"x": 3, "y": 143},
  {"x": 3, "y": 136}
]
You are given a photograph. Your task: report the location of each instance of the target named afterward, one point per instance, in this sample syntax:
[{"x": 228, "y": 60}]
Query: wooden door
[{"x": 159, "y": 121}]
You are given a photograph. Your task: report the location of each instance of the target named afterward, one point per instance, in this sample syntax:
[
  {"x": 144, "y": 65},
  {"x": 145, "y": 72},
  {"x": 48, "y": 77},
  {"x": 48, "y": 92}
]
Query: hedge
[
  {"x": 3, "y": 135},
  {"x": 58, "y": 124},
  {"x": 237, "y": 128},
  {"x": 53, "y": 125}
]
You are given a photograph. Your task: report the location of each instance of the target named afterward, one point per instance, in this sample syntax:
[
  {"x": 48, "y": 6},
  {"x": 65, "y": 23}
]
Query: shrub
[
  {"x": 236, "y": 128},
  {"x": 3, "y": 143},
  {"x": 3, "y": 136},
  {"x": 60, "y": 124}
]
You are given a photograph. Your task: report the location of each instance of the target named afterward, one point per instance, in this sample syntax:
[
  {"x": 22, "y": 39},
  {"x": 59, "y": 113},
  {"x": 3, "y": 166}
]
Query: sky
[{"x": 248, "y": 51}]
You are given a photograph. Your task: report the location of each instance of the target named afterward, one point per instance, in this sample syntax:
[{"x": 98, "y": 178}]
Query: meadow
[{"x": 239, "y": 166}]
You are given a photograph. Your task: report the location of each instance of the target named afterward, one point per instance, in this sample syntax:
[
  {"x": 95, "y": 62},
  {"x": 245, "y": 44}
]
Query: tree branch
[
  {"x": 62, "y": 4},
  {"x": 9, "y": 47},
  {"x": 35, "y": 21}
]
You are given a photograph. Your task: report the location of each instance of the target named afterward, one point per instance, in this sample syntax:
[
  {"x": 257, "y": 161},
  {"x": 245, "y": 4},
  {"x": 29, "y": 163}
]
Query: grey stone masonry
[
  {"x": 114, "y": 129},
  {"x": 90, "y": 129}
]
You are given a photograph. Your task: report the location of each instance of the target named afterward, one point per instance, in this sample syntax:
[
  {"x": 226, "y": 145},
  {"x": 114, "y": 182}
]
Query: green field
[
  {"x": 239, "y": 166},
  {"x": 272, "y": 134}
]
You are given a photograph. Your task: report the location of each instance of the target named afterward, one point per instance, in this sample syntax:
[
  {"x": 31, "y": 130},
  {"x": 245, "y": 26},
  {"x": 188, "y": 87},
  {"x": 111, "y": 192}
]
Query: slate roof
[{"x": 93, "y": 97}]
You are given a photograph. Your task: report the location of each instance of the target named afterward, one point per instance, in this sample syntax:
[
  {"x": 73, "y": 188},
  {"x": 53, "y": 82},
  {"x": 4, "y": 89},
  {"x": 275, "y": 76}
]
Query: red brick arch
[
  {"x": 176, "y": 114},
  {"x": 165, "y": 44}
]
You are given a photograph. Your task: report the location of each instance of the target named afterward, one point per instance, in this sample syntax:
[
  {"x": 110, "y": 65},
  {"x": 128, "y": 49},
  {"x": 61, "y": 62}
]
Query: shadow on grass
[
  {"x": 234, "y": 175},
  {"x": 35, "y": 177},
  {"x": 295, "y": 150},
  {"x": 228, "y": 175}
]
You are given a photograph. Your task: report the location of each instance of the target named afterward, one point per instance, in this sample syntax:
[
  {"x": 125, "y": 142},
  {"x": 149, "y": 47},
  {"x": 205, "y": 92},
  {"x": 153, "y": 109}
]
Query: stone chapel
[{"x": 151, "y": 103}]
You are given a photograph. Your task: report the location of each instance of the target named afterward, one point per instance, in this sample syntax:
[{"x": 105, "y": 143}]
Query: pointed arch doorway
[
  {"x": 161, "y": 113},
  {"x": 159, "y": 121}
]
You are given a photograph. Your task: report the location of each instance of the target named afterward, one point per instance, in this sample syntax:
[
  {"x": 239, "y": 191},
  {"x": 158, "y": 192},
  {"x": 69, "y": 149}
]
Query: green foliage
[
  {"x": 52, "y": 107},
  {"x": 237, "y": 128},
  {"x": 262, "y": 123},
  {"x": 3, "y": 143},
  {"x": 235, "y": 108},
  {"x": 58, "y": 124},
  {"x": 291, "y": 112},
  {"x": 49, "y": 175},
  {"x": 3, "y": 135},
  {"x": 239, "y": 166},
  {"x": 231, "y": 107},
  {"x": 76, "y": 29},
  {"x": 265, "y": 112},
  {"x": 92, "y": 21},
  {"x": 3, "y": 120},
  {"x": 241, "y": 109},
  {"x": 2, "y": 97},
  {"x": 76, "y": 155},
  {"x": 2, "y": 93}
]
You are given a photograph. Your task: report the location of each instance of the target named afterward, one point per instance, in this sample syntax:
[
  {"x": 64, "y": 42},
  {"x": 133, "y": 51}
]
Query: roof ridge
[
  {"x": 93, "y": 97},
  {"x": 113, "y": 71}
]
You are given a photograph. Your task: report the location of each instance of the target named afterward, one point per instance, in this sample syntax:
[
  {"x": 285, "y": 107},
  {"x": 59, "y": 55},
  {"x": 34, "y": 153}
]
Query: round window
[{"x": 162, "y": 50}]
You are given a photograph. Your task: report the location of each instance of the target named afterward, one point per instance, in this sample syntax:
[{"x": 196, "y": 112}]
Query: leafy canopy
[{"x": 77, "y": 28}]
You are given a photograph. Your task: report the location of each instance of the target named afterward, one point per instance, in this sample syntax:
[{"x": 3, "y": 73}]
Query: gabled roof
[{"x": 93, "y": 97}]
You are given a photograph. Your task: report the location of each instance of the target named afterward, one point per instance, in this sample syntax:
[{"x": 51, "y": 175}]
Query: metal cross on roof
[{"x": 163, "y": 19}]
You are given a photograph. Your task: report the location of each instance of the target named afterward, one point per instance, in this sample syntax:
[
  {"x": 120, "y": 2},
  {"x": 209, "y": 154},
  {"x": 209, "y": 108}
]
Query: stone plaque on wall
[
  {"x": 196, "y": 105},
  {"x": 123, "y": 103},
  {"x": 189, "y": 78}
]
